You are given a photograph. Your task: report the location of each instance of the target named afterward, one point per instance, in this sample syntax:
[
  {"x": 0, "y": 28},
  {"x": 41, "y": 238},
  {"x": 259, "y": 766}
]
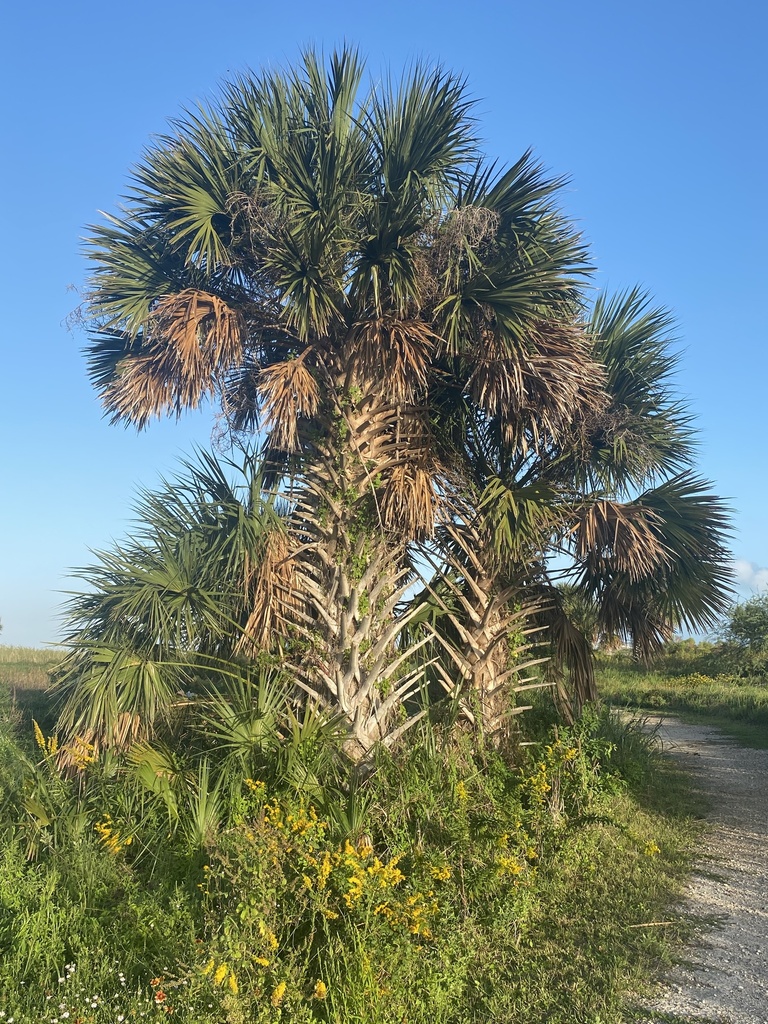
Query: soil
[{"x": 724, "y": 976}]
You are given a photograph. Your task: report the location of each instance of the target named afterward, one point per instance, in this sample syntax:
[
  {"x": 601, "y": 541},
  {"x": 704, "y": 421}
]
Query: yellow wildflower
[
  {"x": 110, "y": 836},
  {"x": 279, "y": 994},
  {"x": 442, "y": 874},
  {"x": 651, "y": 849},
  {"x": 324, "y": 870},
  {"x": 221, "y": 972},
  {"x": 232, "y": 982},
  {"x": 81, "y": 753},
  {"x": 355, "y": 886},
  {"x": 268, "y": 935},
  {"x": 39, "y": 738},
  {"x": 508, "y": 866},
  {"x": 321, "y": 990}
]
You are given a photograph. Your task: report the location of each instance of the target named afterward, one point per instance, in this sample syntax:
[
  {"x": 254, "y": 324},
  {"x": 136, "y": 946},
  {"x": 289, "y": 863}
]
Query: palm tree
[
  {"x": 640, "y": 539},
  {"x": 404, "y": 326}
]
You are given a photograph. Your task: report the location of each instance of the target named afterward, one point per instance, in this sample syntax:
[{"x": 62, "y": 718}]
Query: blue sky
[{"x": 655, "y": 111}]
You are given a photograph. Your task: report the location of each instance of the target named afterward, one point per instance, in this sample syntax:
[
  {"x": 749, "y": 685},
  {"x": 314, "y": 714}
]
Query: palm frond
[
  {"x": 188, "y": 341},
  {"x": 519, "y": 519},
  {"x": 395, "y": 352},
  {"x": 690, "y": 587},
  {"x": 288, "y": 392},
  {"x": 408, "y": 501},
  {"x": 624, "y": 537},
  {"x": 644, "y": 431}
]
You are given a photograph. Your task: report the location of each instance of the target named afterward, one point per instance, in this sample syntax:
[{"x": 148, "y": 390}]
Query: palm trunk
[
  {"x": 485, "y": 646},
  {"x": 351, "y": 567}
]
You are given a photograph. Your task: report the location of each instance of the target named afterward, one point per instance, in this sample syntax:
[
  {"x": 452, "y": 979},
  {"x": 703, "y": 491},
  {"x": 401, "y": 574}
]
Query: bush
[{"x": 744, "y": 649}]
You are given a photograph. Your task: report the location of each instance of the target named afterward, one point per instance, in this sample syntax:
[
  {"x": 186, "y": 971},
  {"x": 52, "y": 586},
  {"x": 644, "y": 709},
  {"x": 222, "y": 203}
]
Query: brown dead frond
[
  {"x": 408, "y": 501},
  {"x": 287, "y": 391},
  {"x": 650, "y": 632},
  {"x": 632, "y": 614},
  {"x": 188, "y": 341},
  {"x": 571, "y": 651},
  {"x": 393, "y": 353},
  {"x": 409, "y": 498},
  {"x": 270, "y": 587},
  {"x": 87, "y": 742},
  {"x": 536, "y": 390},
  {"x": 622, "y": 537}
]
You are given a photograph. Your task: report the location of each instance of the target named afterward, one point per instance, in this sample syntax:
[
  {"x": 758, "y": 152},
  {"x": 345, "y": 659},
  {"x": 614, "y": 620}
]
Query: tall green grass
[
  {"x": 24, "y": 679},
  {"x": 27, "y": 668},
  {"x": 738, "y": 705}
]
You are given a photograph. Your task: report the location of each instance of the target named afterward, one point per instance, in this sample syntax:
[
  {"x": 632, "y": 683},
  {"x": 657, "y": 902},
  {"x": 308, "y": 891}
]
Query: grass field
[
  {"x": 738, "y": 706},
  {"x": 27, "y": 668},
  {"x": 24, "y": 676}
]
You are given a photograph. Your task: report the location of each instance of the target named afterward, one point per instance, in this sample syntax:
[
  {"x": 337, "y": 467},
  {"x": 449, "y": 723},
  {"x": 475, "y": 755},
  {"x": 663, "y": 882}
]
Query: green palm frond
[
  {"x": 185, "y": 185},
  {"x": 422, "y": 132},
  {"x": 157, "y": 611},
  {"x": 645, "y": 431},
  {"x": 692, "y": 583},
  {"x": 134, "y": 267},
  {"x": 519, "y": 520},
  {"x": 244, "y": 711}
]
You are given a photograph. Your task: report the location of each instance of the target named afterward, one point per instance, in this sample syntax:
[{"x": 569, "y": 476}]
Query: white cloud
[{"x": 750, "y": 577}]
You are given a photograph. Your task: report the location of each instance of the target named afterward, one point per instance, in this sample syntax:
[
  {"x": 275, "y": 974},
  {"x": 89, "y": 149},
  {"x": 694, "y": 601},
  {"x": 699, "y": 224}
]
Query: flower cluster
[
  {"x": 366, "y": 875},
  {"x": 221, "y": 974},
  {"x": 112, "y": 837},
  {"x": 159, "y": 997},
  {"x": 414, "y": 913},
  {"x": 80, "y": 753},
  {"x": 506, "y": 865},
  {"x": 538, "y": 783},
  {"x": 50, "y": 746}
]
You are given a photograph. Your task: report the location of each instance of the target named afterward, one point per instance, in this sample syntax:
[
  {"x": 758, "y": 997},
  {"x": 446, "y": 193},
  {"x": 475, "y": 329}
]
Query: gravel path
[{"x": 725, "y": 977}]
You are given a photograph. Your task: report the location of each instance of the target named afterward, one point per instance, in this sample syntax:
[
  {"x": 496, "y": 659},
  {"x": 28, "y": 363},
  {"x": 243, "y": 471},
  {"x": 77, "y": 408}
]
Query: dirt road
[{"x": 725, "y": 977}]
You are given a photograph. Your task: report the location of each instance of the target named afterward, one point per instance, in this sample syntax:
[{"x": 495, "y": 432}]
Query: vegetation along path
[{"x": 725, "y": 976}]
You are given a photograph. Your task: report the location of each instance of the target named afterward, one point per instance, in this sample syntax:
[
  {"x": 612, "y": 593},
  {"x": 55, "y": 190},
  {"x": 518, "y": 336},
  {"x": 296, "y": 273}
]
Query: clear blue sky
[{"x": 656, "y": 111}]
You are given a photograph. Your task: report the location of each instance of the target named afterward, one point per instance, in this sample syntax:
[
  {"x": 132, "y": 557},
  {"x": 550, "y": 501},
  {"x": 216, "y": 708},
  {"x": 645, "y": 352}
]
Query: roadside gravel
[{"x": 725, "y": 976}]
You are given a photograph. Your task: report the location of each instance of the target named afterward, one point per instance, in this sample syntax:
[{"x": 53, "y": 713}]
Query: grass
[
  {"x": 24, "y": 675},
  {"x": 25, "y": 670},
  {"x": 737, "y": 706},
  {"x": 471, "y": 887}
]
